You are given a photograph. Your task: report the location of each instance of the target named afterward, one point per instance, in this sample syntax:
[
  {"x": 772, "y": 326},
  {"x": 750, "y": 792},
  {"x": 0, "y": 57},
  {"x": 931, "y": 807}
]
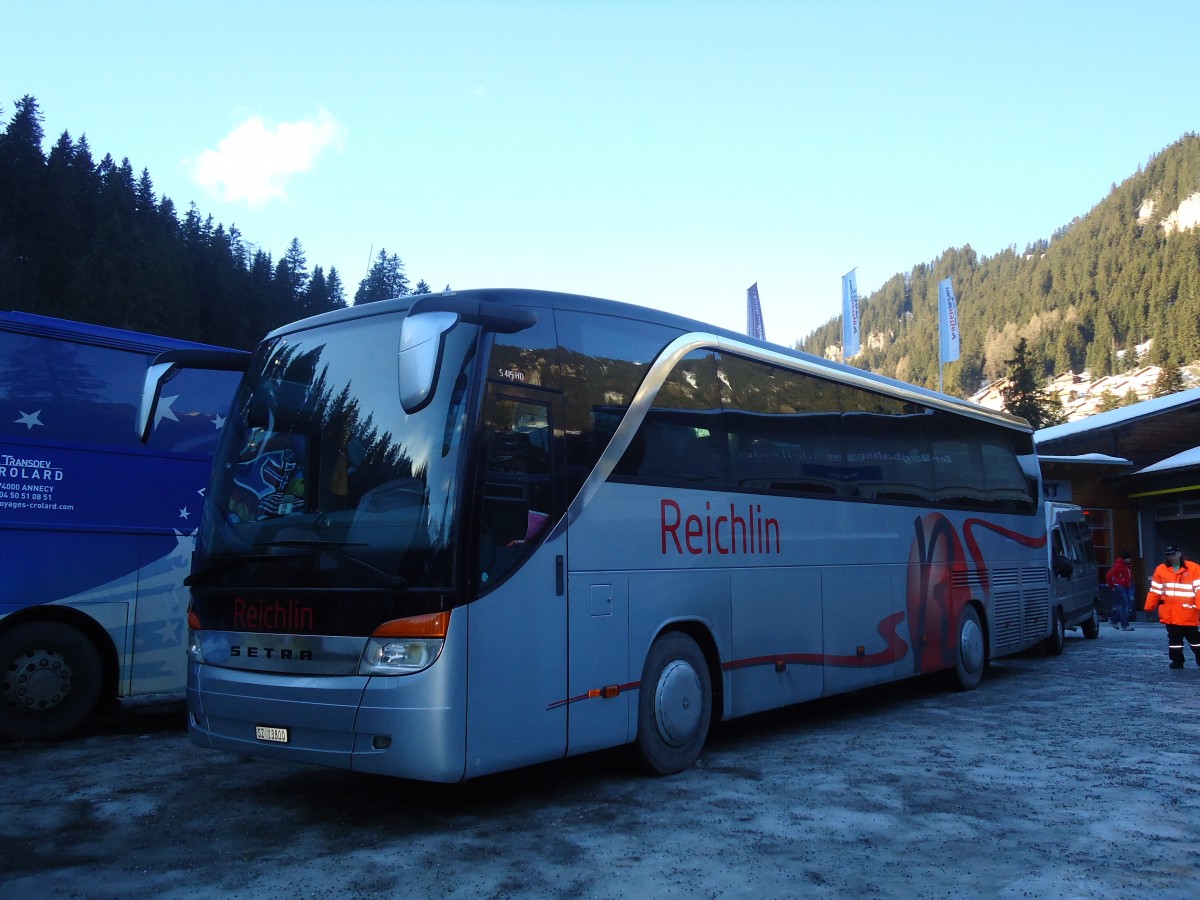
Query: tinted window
[
  {"x": 887, "y": 446},
  {"x": 784, "y": 431},
  {"x": 602, "y": 361},
  {"x": 683, "y": 436},
  {"x": 517, "y": 503}
]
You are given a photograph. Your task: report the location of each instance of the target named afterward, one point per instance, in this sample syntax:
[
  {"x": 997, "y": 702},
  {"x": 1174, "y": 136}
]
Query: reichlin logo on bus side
[{"x": 747, "y": 534}]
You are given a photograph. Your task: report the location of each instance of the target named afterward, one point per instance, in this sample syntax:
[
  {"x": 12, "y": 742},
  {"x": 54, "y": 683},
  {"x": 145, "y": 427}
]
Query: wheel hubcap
[
  {"x": 970, "y": 645},
  {"x": 677, "y": 703},
  {"x": 38, "y": 680}
]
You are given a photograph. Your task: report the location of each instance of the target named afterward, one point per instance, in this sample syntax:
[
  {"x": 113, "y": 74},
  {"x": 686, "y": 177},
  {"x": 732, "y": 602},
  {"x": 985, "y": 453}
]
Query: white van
[{"x": 1074, "y": 577}]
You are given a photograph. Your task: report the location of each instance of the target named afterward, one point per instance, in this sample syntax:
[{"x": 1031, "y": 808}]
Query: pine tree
[
  {"x": 22, "y": 170},
  {"x": 1022, "y": 395},
  {"x": 385, "y": 280},
  {"x": 297, "y": 269},
  {"x": 337, "y": 293},
  {"x": 1169, "y": 380}
]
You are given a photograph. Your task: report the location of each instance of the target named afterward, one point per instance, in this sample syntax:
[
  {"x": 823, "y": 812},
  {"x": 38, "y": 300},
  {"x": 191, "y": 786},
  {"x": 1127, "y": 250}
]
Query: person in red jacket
[
  {"x": 1175, "y": 590},
  {"x": 1120, "y": 579}
]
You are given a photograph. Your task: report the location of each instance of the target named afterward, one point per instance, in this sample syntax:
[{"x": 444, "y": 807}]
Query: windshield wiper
[
  {"x": 232, "y": 562},
  {"x": 336, "y": 548}
]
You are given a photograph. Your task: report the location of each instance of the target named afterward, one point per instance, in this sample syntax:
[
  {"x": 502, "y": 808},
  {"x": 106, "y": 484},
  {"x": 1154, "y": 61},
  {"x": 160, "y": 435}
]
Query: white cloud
[{"x": 255, "y": 160}]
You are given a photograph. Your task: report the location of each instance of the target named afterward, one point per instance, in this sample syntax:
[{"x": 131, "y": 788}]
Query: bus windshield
[{"x": 323, "y": 479}]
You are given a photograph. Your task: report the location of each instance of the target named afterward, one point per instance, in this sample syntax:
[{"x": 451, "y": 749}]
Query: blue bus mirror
[
  {"x": 422, "y": 337},
  {"x": 156, "y": 376},
  {"x": 168, "y": 364}
]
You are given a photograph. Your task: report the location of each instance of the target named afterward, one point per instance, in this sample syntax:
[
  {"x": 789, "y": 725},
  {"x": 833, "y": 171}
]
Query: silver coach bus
[{"x": 452, "y": 534}]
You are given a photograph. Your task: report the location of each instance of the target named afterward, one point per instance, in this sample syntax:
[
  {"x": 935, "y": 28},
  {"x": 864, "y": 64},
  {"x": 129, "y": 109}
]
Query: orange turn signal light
[{"x": 433, "y": 625}]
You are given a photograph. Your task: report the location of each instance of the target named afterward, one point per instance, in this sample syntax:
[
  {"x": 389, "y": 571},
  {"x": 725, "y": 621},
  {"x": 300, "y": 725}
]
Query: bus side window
[{"x": 517, "y": 494}]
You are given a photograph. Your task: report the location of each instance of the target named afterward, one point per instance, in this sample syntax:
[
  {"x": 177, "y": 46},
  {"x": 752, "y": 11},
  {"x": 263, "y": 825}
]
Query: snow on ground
[{"x": 1071, "y": 776}]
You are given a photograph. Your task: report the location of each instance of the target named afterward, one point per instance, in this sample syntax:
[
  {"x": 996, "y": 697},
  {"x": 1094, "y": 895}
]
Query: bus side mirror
[
  {"x": 422, "y": 339},
  {"x": 156, "y": 376},
  {"x": 170, "y": 363},
  {"x": 1063, "y": 567}
]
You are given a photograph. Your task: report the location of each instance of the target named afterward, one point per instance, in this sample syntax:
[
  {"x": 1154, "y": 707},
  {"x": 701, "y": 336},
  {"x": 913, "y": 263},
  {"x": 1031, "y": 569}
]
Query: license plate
[{"x": 267, "y": 733}]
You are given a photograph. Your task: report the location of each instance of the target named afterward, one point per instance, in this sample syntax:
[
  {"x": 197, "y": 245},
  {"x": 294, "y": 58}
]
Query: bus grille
[
  {"x": 1020, "y": 603},
  {"x": 1037, "y": 603}
]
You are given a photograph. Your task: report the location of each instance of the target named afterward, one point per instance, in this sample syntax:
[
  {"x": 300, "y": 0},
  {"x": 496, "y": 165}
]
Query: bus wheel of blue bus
[
  {"x": 49, "y": 681},
  {"x": 1091, "y": 628},
  {"x": 674, "y": 704},
  {"x": 1058, "y": 635},
  {"x": 970, "y": 652}
]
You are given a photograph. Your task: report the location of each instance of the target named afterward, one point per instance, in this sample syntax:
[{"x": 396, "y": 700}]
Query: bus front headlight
[
  {"x": 195, "y": 647},
  {"x": 403, "y": 646}
]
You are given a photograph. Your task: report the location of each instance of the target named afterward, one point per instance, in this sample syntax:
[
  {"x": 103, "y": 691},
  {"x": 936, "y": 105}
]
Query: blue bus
[
  {"x": 96, "y": 528},
  {"x": 453, "y": 534}
]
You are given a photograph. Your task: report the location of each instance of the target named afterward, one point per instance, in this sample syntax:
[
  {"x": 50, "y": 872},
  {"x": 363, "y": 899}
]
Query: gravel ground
[{"x": 1059, "y": 777}]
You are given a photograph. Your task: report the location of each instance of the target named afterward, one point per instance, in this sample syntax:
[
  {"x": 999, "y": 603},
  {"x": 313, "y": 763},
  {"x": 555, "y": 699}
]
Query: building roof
[
  {"x": 1098, "y": 459},
  {"x": 1145, "y": 433},
  {"x": 1186, "y": 460}
]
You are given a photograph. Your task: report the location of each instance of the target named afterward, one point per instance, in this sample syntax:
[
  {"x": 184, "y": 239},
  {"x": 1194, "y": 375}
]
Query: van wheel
[
  {"x": 1053, "y": 645},
  {"x": 674, "y": 704},
  {"x": 970, "y": 652},
  {"x": 1091, "y": 628},
  {"x": 49, "y": 681}
]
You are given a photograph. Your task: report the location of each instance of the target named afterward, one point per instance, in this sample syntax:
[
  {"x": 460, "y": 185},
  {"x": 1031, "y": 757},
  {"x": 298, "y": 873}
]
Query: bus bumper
[{"x": 411, "y": 726}]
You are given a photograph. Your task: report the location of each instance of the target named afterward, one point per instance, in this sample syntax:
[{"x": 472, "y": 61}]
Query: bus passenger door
[{"x": 517, "y": 657}]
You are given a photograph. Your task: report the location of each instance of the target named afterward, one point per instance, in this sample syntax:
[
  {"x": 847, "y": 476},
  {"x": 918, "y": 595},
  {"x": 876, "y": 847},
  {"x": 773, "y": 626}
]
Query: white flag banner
[
  {"x": 850, "y": 321},
  {"x": 948, "y": 321}
]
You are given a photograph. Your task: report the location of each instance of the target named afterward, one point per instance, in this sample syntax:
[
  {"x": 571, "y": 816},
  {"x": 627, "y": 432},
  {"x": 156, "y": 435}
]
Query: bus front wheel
[
  {"x": 970, "y": 652},
  {"x": 674, "y": 704},
  {"x": 49, "y": 681}
]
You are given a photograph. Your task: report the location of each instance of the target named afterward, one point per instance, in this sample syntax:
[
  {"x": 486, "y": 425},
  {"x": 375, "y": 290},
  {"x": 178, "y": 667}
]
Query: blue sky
[{"x": 663, "y": 153}]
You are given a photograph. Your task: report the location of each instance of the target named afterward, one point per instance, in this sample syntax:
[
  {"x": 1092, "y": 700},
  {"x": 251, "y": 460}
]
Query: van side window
[{"x": 1056, "y": 540}]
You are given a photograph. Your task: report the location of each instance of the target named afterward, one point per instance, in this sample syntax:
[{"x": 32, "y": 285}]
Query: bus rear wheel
[
  {"x": 970, "y": 652},
  {"x": 674, "y": 704},
  {"x": 49, "y": 681}
]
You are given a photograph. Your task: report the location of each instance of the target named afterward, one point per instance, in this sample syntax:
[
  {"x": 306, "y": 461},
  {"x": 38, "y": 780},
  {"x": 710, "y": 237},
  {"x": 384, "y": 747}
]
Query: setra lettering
[{"x": 282, "y": 653}]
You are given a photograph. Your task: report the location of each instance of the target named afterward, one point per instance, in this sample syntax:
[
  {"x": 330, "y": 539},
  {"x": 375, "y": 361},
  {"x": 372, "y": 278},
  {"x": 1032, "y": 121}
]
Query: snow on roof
[
  {"x": 1116, "y": 417},
  {"x": 1093, "y": 458},
  {"x": 1184, "y": 460}
]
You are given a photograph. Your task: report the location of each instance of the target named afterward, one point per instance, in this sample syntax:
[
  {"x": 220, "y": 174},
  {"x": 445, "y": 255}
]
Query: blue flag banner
[
  {"x": 754, "y": 319},
  {"x": 948, "y": 321},
  {"x": 850, "y": 321}
]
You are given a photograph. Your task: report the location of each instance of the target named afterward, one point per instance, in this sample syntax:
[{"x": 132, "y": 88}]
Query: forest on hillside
[
  {"x": 94, "y": 242},
  {"x": 1084, "y": 299}
]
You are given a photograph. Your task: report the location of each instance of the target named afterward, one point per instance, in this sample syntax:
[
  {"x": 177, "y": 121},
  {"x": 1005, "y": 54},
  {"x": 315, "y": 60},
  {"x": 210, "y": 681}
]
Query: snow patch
[{"x": 1186, "y": 217}]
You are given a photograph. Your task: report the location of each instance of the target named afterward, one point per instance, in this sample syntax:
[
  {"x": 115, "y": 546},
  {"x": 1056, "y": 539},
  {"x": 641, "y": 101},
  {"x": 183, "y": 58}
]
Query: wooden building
[{"x": 1136, "y": 471}]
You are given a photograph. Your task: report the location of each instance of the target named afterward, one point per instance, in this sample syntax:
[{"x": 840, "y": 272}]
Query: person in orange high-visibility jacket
[{"x": 1175, "y": 590}]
